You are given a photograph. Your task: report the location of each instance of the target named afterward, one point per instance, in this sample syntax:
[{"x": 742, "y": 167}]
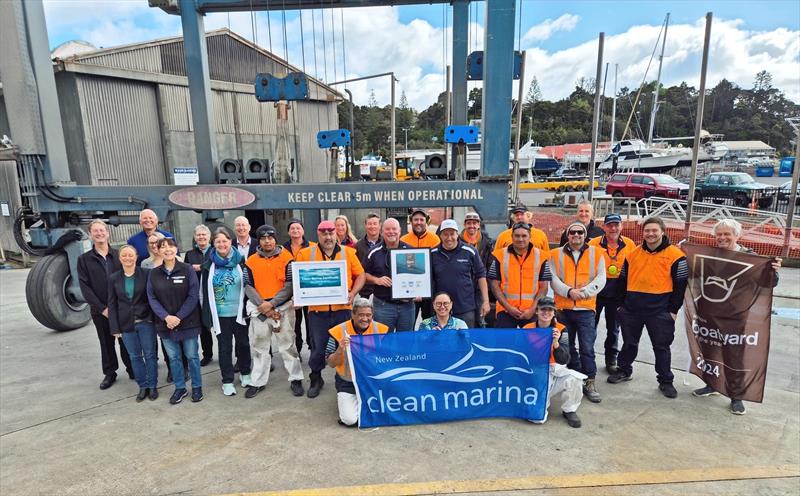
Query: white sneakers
[
  {"x": 246, "y": 380},
  {"x": 228, "y": 389}
]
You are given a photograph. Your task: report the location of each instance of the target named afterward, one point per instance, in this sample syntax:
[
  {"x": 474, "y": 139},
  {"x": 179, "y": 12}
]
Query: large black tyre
[
  {"x": 618, "y": 195},
  {"x": 741, "y": 200},
  {"x": 48, "y": 300}
]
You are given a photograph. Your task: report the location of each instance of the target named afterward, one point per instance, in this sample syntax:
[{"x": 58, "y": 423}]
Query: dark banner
[{"x": 728, "y": 307}]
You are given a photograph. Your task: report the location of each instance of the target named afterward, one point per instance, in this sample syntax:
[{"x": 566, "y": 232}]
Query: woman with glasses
[
  {"x": 344, "y": 233},
  {"x": 131, "y": 319},
  {"x": 173, "y": 293},
  {"x": 442, "y": 318},
  {"x": 156, "y": 257},
  {"x": 223, "y": 278}
]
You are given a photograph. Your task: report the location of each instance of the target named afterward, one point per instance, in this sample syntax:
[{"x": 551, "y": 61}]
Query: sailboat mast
[
  {"x": 614, "y": 106},
  {"x": 658, "y": 84}
]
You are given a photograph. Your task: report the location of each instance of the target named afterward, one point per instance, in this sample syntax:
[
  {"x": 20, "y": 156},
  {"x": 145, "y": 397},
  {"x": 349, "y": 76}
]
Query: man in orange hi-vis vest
[
  {"x": 336, "y": 355},
  {"x": 578, "y": 275},
  {"x": 323, "y": 317}
]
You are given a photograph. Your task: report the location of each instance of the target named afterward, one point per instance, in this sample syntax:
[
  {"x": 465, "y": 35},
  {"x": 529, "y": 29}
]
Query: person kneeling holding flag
[
  {"x": 563, "y": 380},
  {"x": 336, "y": 356}
]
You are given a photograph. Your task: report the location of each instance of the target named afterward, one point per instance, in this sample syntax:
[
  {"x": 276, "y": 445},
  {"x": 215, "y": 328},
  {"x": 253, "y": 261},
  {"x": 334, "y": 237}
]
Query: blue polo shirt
[
  {"x": 377, "y": 264},
  {"x": 139, "y": 241},
  {"x": 457, "y": 272}
]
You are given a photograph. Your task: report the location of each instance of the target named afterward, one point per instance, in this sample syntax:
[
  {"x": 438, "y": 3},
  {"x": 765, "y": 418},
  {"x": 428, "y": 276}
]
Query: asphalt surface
[{"x": 59, "y": 434}]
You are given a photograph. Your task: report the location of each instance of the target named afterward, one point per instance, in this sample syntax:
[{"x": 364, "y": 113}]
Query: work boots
[
  {"x": 316, "y": 385},
  {"x": 590, "y": 391}
]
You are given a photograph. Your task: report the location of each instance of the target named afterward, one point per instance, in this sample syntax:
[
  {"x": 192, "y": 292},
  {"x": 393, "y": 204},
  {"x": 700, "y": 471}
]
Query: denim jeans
[
  {"x": 580, "y": 327},
  {"x": 189, "y": 347},
  {"x": 611, "y": 344},
  {"x": 141, "y": 346},
  {"x": 395, "y": 316}
]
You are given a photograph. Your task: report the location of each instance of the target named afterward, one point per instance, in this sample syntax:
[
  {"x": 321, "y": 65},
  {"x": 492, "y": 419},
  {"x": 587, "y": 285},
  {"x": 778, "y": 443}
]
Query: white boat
[{"x": 531, "y": 162}]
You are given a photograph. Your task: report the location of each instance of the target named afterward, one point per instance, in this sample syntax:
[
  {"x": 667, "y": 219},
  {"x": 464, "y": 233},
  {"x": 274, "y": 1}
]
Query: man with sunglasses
[
  {"x": 396, "y": 314},
  {"x": 323, "y": 317},
  {"x": 518, "y": 276},
  {"x": 579, "y": 274}
]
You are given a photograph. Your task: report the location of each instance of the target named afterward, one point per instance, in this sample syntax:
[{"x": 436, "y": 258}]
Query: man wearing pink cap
[{"x": 324, "y": 317}]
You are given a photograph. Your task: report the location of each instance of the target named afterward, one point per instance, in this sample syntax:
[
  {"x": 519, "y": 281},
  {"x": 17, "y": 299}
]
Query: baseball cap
[
  {"x": 448, "y": 224},
  {"x": 546, "y": 302},
  {"x": 519, "y": 209},
  {"x": 612, "y": 218},
  {"x": 326, "y": 225},
  {"x": 418, "y": 211},
  {"x": 472, "y": 216}
]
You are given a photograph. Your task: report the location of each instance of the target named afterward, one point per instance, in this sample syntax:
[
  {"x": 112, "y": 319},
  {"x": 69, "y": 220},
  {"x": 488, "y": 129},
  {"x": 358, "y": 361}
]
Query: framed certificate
[
  {"x": 410, "y": 272},
  {"x": 319, "y": 283}
]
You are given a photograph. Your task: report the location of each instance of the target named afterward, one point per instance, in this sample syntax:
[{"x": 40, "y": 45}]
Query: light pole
[{"x": 405, "y": 130}]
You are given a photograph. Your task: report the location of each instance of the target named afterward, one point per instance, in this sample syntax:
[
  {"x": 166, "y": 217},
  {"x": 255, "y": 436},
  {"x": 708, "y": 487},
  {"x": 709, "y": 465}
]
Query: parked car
[
  {"x": 785, "y": 191},
  {"x": 737, "y": 186},
  {"x": 640, "y": 185}
]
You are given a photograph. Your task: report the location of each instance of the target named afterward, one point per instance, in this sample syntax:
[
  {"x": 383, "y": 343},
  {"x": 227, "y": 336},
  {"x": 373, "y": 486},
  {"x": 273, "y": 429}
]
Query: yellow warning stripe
[{"x": 550, "y": 482}]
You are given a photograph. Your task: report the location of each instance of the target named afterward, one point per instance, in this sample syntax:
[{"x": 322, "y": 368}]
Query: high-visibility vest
[
  {"x": 618, "y": 259},
  {"x": 651, "y": 272},
  {"x": 519, "y": 281},
  {"x": 563, "y": 265},
  {"x": 538, "y": 239},
  {"x": 338, "y": 332},
  {"x": 269, "y": 274},
  {"x": 314, "y": 254}
]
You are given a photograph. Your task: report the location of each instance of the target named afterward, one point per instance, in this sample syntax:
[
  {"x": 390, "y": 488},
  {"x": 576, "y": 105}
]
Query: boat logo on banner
[
  {"x": 718, "y": 284},
  {"x": 437, "y": 376}
]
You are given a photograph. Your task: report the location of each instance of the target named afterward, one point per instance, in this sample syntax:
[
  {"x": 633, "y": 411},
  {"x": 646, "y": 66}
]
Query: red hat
[{"x": 326, "y": 225}]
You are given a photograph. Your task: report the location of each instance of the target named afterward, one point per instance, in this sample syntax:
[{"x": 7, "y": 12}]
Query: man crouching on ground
[{"x": 336, "y": 356}]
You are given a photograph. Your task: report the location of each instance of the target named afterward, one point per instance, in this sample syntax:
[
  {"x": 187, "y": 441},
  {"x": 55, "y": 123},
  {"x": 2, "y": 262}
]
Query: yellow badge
[{"x": 612, "y": 269}]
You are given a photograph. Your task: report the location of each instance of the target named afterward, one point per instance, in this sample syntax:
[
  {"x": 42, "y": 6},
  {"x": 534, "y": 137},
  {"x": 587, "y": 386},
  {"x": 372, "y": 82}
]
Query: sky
[{"x": 560, "y": 39}]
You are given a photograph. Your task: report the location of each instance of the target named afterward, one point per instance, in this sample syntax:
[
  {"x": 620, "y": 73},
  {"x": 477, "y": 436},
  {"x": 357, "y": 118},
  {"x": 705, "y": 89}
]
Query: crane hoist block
[
  {"x": 270, "y": 88},
  {"x": 333, "y": 138},
  {"x": 475, "y": 65}
]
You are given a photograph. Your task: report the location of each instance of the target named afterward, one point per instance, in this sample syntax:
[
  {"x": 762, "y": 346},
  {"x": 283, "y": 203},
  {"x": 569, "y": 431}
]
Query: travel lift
[{"x": 56, "y": 207}]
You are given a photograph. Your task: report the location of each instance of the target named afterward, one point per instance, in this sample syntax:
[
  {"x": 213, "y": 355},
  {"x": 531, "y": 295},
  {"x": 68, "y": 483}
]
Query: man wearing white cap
[{"x": 457, "y": 269}]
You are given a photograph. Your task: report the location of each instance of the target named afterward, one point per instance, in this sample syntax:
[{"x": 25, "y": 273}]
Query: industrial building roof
[{"x": 231, "y": 58}]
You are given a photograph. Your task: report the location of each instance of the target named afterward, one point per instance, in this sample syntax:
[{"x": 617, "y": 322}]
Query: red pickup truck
[{"x": 639, "y": 185}]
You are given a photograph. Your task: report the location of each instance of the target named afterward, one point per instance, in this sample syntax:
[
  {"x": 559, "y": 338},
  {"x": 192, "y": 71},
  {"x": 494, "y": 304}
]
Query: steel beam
[
  {"x": 498, "y": 68},
  {"x": 196, "y": 59},
  {"x": 206, "y": 6},
  {"x": 489, "y": 198},
  {"x": 460, "y": 40}
]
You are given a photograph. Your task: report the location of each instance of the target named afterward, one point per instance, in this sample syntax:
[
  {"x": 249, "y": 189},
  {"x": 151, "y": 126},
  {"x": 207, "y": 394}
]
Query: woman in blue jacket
[{"x": 173, "y": 293}]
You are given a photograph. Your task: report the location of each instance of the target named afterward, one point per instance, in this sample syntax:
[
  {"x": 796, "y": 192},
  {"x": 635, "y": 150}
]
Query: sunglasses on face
[
  {"x": 327, "y": 231},
  {"x": 576, "y": 233}
]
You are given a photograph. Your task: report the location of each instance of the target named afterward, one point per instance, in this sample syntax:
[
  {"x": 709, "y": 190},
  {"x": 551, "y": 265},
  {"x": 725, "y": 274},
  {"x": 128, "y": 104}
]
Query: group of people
[{"x": 238, "y": 287}]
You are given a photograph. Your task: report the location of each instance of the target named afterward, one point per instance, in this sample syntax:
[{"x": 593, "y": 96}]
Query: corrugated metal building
[{"x": 127, "y": 119}]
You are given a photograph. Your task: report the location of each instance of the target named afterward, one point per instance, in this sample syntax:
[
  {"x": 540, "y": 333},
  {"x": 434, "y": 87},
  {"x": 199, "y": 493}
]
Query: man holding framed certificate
[
  {"x": 396, "y": 313},
  {"x": 330, "y": 276}
]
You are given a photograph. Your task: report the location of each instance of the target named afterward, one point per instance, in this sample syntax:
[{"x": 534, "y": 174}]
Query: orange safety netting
[{"x": 767, "y": 240}]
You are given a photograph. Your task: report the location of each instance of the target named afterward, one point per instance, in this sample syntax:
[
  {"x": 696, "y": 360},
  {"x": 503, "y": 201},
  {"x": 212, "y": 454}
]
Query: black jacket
[
  {"x": 251, "y": 248},
  {"x": 195, "y": 256},
  {"x": 124, "y": 311},
  {"x": 362, "y": 250},
  {"x": 592, "y": 231},
  {"x": 174, "y": 294},
  {"x": 93, "y": 272}
]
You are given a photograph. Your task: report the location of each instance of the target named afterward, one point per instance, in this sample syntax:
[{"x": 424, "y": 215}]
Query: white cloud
[
  {"x": 376, "y": 42},
  {"x": 736, "y": 54},
  {"x": 546, "y": 29}
]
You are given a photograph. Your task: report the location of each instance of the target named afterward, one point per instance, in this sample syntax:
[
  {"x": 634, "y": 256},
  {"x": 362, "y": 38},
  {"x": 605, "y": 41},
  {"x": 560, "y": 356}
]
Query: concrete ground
[{"x": 59, "y": 434}]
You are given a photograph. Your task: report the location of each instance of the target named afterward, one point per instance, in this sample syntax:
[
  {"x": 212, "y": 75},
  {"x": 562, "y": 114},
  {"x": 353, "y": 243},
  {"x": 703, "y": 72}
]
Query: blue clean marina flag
[{"x": 438, "y": 376}]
